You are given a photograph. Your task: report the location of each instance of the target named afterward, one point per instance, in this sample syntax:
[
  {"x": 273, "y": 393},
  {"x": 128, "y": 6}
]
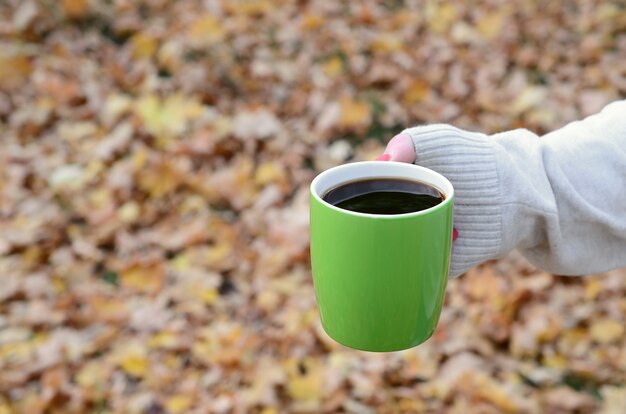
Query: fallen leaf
[
  {"x": 178, "y": 403},
  {"x": 613, "y": 399},
  {"x": 206, "y": 30},
  {"x": 169, "y": 117},
  {"x": 134, "y": 362},
  {"x": 304, "y": 379},
  {"x": 75, "y": 8},
  {"x": 312, "y": 21},
  {"x": 143, "y": 45},
  {"x": 606, "y": 331},
  {"x": 417, "y": 92},
  {"x": 440, "y": 16},
  {"x": 15, "y": 69},
  {"x": 354, "y": 113},
  {"x": 333, "y": 67},
  {"x": 490, "y": 24},
  {"x": 387, "y": 43},
  {"x": 144, "y": 278}
]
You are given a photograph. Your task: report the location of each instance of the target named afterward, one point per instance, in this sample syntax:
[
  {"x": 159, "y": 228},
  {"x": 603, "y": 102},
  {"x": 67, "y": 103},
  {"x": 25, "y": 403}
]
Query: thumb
[{"x": 400, "y": 148}]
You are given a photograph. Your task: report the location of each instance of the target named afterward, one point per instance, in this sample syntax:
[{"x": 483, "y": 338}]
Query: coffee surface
[{"x": 384, "y": 196}]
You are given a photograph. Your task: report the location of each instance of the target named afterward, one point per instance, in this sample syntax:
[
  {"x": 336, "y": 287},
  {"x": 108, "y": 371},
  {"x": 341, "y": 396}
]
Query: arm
[{"x": 559, "y": 199}]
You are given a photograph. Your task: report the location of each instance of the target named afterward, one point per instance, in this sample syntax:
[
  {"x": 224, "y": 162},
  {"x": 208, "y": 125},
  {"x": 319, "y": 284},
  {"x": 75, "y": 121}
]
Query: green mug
[{"x": 380, "y": 280}]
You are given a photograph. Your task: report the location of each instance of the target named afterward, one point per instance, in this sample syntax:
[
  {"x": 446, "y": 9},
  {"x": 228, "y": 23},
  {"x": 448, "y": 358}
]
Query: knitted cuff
[{"x": 467, "y": 159}]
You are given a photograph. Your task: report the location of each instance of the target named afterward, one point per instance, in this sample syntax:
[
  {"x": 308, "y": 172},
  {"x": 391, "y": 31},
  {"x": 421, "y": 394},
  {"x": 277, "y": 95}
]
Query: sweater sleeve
[{"x": 559, "y": 199}]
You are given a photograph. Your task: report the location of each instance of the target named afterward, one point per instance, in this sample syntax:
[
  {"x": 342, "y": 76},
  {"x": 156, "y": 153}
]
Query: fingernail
[
  {"x": 384, "y": 157},
  {"x": 455, "y": 234}
]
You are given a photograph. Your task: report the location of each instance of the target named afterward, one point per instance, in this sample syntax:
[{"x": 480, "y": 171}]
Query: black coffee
[{"x": 384, "y": 196}]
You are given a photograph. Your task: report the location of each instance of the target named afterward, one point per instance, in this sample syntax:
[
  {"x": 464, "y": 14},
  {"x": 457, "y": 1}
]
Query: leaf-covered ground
[{"x": 154, "y": 163}]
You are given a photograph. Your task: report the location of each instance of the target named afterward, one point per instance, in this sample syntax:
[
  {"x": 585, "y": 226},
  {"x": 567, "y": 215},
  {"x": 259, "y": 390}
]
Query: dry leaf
[
  {"x": 304, "y": 379},
  {"x": 169, "y": 117},
  {"x": 144, "y": 278},
  {"x": 14, "y": 69},
  {"x": 206, "y": 30},
  {"x": 143, "y": 45},
  {"x": 75, "y": 8},
  {"x": 490, "y": 25},
  {"x": 354, "y": 113},
  {"x": 606, "y": 331},
  {"x": 178, "y": 403},
  {"x": 134, "y": 361},
  {"x": 417, "y": 91}
]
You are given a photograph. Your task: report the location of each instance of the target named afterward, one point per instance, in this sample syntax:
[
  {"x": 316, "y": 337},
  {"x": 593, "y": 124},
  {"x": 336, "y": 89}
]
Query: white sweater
[{"x": 560, "y": 198}]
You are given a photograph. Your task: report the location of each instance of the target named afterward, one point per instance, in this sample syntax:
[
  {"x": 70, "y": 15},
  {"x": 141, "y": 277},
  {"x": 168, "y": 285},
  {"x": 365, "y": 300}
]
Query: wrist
[{"x": 468, "y": 160}]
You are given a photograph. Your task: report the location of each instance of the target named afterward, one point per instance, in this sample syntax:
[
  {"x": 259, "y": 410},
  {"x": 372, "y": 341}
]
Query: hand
[{"x": 400, "y": 148}]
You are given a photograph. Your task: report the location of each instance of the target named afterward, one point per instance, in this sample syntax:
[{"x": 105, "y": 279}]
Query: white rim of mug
[{"x": 425, "y": 175}]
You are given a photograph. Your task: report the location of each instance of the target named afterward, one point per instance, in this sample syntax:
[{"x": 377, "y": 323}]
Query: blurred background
[{"x": 154, "y": 163}]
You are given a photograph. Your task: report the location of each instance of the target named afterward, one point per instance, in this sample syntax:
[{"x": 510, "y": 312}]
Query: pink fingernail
[
  {"x": 384, "y": 157},
  {"x": 455, "y": 234}
]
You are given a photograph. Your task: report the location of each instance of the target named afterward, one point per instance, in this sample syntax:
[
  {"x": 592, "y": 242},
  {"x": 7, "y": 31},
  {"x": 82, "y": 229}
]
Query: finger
[
  {"x": 384, "y": 157},
  {"x": 400, "y": 148}
]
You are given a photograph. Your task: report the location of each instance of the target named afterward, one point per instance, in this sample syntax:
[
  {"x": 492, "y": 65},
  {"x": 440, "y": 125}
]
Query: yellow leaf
[
  {"x": 209, "y": 295},
  {"x": 606, "y": 331},
  {"x": 218, "y": 255},
  {"x": 139, "y": 158},
  {"x": 136, "y": 365},
  {"x": 32, "y": 255},
  {"x": 206, "y": 30},
  {"x": 173, "y": 362},
  {"x": 5, "y": 409},
  {"x": 267, "y": 300},
  {"x": 417, "y": 92},
  {"x": 593, "y": 287},
  {"x": 163, "y": 340},
  {"x": 386, "y": 43},
  {"x": 181, "y": 262},
  {"x": 304, "y": 386},
  {"x": 143, "y": 45},
  {"x": 529, "y": 97},
  {"x": 59, "y": 285},
  {"x": 440, "y": 16},
  {"x": 607, "y": 12},
  {"x": 169, "y": 117},
  {"x": 108, "y": 308},
  {"x": 312, "y": 21},
  {"x": 411, "y": 406},
  {"x": 14, "y": 69},
  {"x": 91, "y": 375},
  {"x": 100, "y": 198},
  {"x": 613, "y": 399},
  {"x": 489, "y": 26},
  {"x": 354, "y": 113},
  {"x": 148, "y": 278},
  {"x": 115, "y": 106},
  {"x": 270, "y": 172},
  {"x": 148, "y": 108},
  {"x": 178, "y": 403},
  {"x": 333, "y": 66},
  {"x": 129, "y": 212},
  {"x": 75, "y": 8},
  {"x": 170, "y": 55},
  {"x": 159, "y": 181},
  {"x": 491, "y": 391},
  {"x": 249, "y": 7},
  {"x": 555, "y": 361}
]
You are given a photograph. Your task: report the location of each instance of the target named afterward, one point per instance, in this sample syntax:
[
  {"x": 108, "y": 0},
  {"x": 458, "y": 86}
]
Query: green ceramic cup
[{"x": 380, "y": 280}]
